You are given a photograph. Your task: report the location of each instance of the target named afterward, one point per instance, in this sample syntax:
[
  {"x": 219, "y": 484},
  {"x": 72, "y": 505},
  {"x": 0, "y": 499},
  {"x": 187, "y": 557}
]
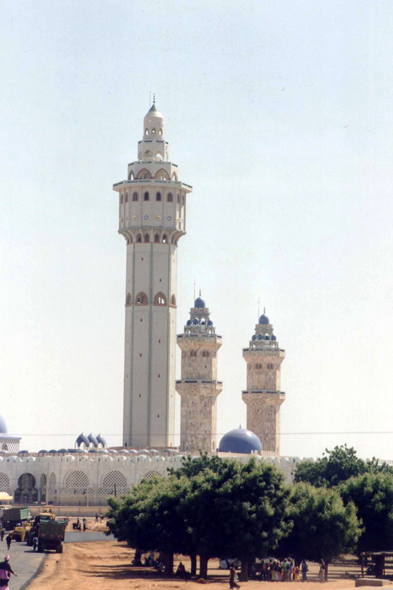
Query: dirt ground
[
  {"x": 92, "y": 525},
  {"x": 106, "y": 565}
]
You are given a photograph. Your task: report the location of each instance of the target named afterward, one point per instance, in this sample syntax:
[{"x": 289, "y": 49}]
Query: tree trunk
[
  {"x": 193, "y": 564},
  {"x": 203, "y": 566},
  {"x": 169, "y": 564},
  {"x": 327, "y": 561},
  {"x": 379, "y": 565},
  {"x": 244, "y": 571}
]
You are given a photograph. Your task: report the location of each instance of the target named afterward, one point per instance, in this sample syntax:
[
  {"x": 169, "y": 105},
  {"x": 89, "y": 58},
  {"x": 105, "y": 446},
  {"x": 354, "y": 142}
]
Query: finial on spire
[
  {"x": 200, "y": 293},
  {"x": 264, "y": 310},
  {"x": 154, "y": 98}
]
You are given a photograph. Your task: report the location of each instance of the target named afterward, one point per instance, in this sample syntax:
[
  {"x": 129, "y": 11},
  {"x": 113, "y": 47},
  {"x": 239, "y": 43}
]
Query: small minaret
[
  {"x": 198, "y": 386},
  {"x": 263, "y": 396}
]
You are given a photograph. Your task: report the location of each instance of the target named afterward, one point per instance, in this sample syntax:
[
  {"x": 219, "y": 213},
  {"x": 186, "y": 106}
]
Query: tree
[
  {"x": 339, "y": 465},
  {"x": 323, "y": 528},
  {"x": 372, "y": 495},
  {"x": 237, "y": 511}
]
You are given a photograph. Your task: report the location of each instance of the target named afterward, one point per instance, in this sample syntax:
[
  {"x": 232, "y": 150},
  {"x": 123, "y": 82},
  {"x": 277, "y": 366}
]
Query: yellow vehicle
[
  {"x": 33, "y": 530},
  {"x": 21, "y": 532}
]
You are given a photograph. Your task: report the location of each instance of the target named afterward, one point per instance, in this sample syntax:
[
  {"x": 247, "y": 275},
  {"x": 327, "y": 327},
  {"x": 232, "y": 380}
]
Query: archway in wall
[
  {"x": 43, "y": 487},
  {"x": 26, "y": 492},
  {"x": 77, "y": 482},
  {"x": 114, "y": 484},
  {"x": 149, "y": 475}
]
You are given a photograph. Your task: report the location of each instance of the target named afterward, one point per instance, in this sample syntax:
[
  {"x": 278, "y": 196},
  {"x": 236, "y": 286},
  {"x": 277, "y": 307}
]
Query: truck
[
  {"x": 35, "y": 525},
  {"x": 50, "y": 535},
  {"x": 14, "y": 516}
]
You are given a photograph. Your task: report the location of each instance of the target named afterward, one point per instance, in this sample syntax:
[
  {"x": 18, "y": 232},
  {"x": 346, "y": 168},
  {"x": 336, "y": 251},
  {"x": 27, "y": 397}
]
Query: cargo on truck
[
  {"x": 14, "y": 516},
  {"x": 35, "y": 525},
  {"x": 51, "y": 534}
]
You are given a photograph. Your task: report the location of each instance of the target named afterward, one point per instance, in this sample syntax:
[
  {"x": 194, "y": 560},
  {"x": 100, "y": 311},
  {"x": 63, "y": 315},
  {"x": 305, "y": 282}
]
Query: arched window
[
  {"x": 147, "y": 154},
  {"x": 164, "y": 239},
  {"x": 146, "y": 197},
  {"x": 144, "y": 174},
  {"x": 153, "y": 131},
  {"x": 139, "y": 239},
  {"x": 169, "y": 198},
  {"x": 147, "y": 238},
  {"x": 130, "y": 240},
  {"x": 146, "y": 131},
  {"x": 158, "y": 197},
  {"x": 160, "y": 132},
  {"x": 121, "y": 200},
  {"x": 193, "y": 353},
  {"x": 162, "y": 174},
  {"x": 131, "y": 175},
  {"x": 128, "y": 299},
  {"x": 141, "y": 299},
  {"x": 173, "y": 300},
  {"x": 160, "y": 299},
  {"x": 174, "y": 176},
  {"x": 135, "y": 197},
  {"x": 158, "y": 155},
  {"x": 156, "y": 239},
  {"x": 126, "y": 198}
]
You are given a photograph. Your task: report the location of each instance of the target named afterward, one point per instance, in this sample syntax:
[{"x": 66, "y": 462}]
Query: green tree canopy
[
  {"x": 337, "y": 466},
  {"x": 372, "y": 495},
  {"x": 323, "y": 528}
]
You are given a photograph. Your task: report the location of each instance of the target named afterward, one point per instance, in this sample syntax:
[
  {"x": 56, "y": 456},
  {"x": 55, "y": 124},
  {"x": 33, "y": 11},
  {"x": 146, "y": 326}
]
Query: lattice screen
[
  {"x": 114, "y": 483},
  {"x": 26, "y": 481},
  {"x": 4, "y": 483},
  {"x": 77, "y": 482},
  {"x": 149, "y": 475}
]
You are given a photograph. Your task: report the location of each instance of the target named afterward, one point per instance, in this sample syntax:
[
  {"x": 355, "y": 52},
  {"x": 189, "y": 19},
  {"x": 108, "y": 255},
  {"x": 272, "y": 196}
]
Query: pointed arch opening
[
  {"x": 156, "y": 239},
  {"x": 131, "y": 175},
  {"x": 139, "y": 239},
  {"x": 169, "y": 198},
  {"x": 135, "y": 197},
  {"x": 174, "y": 176},
  {"x": 158, "y": 197},
  {"x": 144, "y": 174},
  {"x": 162, "y": 174},
  {"x": 146, "y": 196},
  {"x": 160, "y": 132},
  {"x": 158, "y": 155},
  {"x": 164, "y": 239},
  {"x": 160, "y": 299},
  {"x": 146, "y": 131},
  {"x": 146, "y": 238},
  {"x": 147, "y": 154},
  {"x": 141, "y": 299}
]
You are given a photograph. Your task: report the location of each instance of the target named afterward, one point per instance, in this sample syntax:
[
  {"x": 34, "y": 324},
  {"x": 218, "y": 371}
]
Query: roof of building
[
  {"x": 241, "y": 441},
  {"x": 3, "y": 426}
]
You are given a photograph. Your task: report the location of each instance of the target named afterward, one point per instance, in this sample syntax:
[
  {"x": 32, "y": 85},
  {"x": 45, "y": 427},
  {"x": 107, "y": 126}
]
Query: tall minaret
[
  {"x": 263, "y": 396},
  {"x": 152, "y": 205},
  {"x": 198, "y": 386}
]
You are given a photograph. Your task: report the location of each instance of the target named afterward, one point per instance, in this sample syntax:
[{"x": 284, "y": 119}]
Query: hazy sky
[{"x": 279, "y": 113}]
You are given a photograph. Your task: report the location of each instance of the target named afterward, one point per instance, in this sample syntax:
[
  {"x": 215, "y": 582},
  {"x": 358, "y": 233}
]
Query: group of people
[{"x": 283, "y": 571}]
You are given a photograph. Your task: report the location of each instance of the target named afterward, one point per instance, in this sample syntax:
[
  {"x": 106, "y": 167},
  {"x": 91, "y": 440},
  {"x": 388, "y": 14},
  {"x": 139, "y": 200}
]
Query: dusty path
[{"x": 106, "y": 566}]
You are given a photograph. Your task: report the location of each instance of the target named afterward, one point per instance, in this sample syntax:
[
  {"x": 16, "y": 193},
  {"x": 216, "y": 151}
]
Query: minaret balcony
[
  {"x": 264, "y": 397},
  {"x": 157, "y": 182},
  {"x": 203, "y": 387}
]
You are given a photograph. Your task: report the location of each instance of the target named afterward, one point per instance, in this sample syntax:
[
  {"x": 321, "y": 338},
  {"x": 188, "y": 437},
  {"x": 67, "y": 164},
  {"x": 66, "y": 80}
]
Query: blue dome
[
  {"x": 274, "y": 337},
  {"x": 199, "y": 302},
  {"x": 3, "y": 426},
  {"x": 188, "y": 322},
  {"x": 264, "y": 319},
  {"x": 253, "y": 337},
  {"x": 93, "y": 439},
  {"x": 240, "y": 440},
  {"x": 101, "y": 439},
  {"x": 209, "y": 323},
  {"x": 82, "y": 439},
  {"x": 260, "y": 337},
  {"x": 267, "y": 337},
  {"x": 195, "y": 322}
]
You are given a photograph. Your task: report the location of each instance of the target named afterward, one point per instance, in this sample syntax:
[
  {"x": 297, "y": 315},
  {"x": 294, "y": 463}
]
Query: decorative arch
[
  {"x": 158, "y": 196},
  {"x": 146, "y": 131},
  {"x": 160, "y": 299},
  {"x": 169, "y": 198},
  {"x": 164, "y": 239},
  {"x": 26, "y": 490},
  {"x": 174, "y": 176},
  {"x": 139, "y": 239},
  {"x": 147, "y": 154},
  {"x": 153, "y": 131},
  {"x": 141, "y": 299},
  {"x": 144, "y": 174},
  {"x": 128, "y": 299},
  {"x": 159, "y": 155},
  {"x": 76, "y": 482},
  {"x": 131, "y": 175},
  {"x": 173, "y": 300},
  {"x": 162, "y": 174},
  {"x": 135, "y": 197},
  {"x": 149, "y": 475},
  {"x": 114, "y": 484},
  {"x": 52, "y": 482},
  {"x": 156, "y": 239},
  {"x": 146, "y": 239}
]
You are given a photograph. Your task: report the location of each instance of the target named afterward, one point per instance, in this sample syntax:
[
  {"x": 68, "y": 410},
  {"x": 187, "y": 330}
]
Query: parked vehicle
[
  {"x": 51, "y": 535},
  {"x": 15, "y": 516}
]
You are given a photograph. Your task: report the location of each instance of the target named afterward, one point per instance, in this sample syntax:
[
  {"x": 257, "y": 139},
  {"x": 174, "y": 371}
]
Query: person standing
[
  {"x": 8, "y": 540},
  {"x": 290, "y": 570},
  {"x": 321, "y": 574},
  {"x": 233, "y": 577},
  {"x": 296, "y": 571},
  {"x": 304, "y": 571}
]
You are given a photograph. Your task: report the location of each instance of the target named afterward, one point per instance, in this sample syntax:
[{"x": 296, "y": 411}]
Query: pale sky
[{"x": 279, "y": 114}]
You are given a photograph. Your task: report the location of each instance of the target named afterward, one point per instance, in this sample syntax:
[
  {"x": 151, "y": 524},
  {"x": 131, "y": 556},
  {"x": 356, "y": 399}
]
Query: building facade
[
  {"x": 263, "y": 396},
  {"x": 152, "y": 219},
  {"x": 198, "y": 386}
]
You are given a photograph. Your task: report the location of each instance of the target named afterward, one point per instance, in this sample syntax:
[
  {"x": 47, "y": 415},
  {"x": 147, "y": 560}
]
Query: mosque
[{"x": 152, "y": 219}]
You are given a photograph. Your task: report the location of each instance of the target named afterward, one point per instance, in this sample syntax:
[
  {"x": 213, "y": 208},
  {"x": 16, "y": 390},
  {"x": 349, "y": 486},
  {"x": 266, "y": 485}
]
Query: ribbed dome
[
  {"x": 3, "y": 426},
  {"x": 199, "y": 302},
  {"x": 93, "y": 439},
  {"x": 209, "y": 323},
  {"x": 264, "y": 319},
  {"x": 240, "y": 440},
  {"x": 101, "y": 439},
  {"x": 274, "y": 337},
  {"x": 195, "y": 322},
  {"x": 82, "y": 439}
]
